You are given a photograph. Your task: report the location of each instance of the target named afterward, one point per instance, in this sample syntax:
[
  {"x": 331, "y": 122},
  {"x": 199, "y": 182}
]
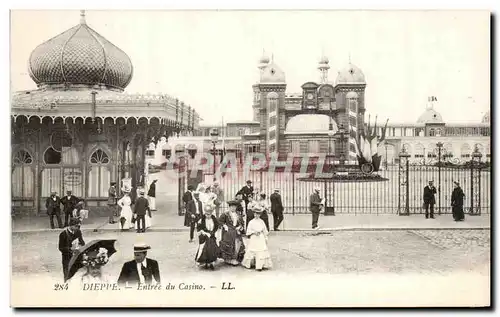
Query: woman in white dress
[
  {"x": 91, "y": 271},
  {"x": 257, "y": 252},
  {"x": 125, "y": 222}
]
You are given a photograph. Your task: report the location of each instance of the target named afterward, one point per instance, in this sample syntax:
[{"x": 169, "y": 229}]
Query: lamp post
[
  {"x": 386, "y": 156},
  {"x": 439, "y": 147},
  {"x": 214, "y": 135},
  {"x": 341, "y": 133},
  {"x": 475, "y": 189}
]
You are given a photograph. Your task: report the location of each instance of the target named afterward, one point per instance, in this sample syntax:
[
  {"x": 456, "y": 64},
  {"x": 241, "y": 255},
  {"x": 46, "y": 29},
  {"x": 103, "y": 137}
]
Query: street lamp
[
  {"x": 214, "y": 136},
  {"x": 342, "y": 133}
]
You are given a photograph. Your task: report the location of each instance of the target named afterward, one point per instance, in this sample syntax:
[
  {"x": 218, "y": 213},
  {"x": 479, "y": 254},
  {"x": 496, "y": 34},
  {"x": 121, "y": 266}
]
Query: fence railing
[{"x": 363, "y": 197}]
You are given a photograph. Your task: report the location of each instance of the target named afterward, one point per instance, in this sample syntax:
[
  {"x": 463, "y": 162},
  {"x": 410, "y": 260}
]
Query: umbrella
[{"x": 76, "y": 261}]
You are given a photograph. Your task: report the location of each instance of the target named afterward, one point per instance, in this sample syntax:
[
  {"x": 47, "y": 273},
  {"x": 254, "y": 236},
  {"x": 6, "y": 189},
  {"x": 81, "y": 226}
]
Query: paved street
[{"x": 432, "y": 251}]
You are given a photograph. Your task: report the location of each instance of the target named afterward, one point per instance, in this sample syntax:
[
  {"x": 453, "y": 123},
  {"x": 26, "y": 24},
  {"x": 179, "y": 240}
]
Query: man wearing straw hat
[
  {"x": 141, "y": 270},
  {"x": 53, "y": 205},
  {"x": 315, "y": 204},
  {"x": 140, "y": 208},
  {"x": 70, "y": 239},
  {"x": 429, "y": 199}
]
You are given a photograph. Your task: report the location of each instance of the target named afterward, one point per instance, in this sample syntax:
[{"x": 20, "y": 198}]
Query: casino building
[
  {"x": 79, "y": 130},
  {"x": 327, "y": 117}
]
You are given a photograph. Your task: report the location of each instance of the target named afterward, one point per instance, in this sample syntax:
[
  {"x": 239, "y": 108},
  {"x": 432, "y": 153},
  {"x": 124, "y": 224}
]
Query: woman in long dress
[
  {"x": 265, "y": 208},
  {"x": 231, "y": 244},
  {"x": 257, "y": 253},
  {"x": 91, "y": 272},
  {"x": 208, "y": 250},
  {"x": 125, "y": 222}
]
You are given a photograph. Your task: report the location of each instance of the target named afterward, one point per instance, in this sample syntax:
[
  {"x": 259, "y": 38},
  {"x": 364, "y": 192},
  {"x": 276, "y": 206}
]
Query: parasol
[{"x": 76, "y": 261}]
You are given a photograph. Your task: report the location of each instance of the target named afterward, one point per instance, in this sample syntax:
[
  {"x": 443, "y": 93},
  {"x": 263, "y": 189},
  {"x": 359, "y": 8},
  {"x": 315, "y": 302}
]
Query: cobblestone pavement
[{"x": 431, "y": 251}]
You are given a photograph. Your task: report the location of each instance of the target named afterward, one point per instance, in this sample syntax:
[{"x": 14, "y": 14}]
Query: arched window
[
  {"x": 432, "y": 132},
  {"x": 99, "y": 174},
  {"x": 23, "y": 157},
  {"x": 438, "y": 132},
  {"x": 52, "y": 156},
  {"x": 99, "y": 157},
  {"x": 22, "y": 175},
  {"x": 419, "y": 150},
  {"x": 465, "y": 151}
]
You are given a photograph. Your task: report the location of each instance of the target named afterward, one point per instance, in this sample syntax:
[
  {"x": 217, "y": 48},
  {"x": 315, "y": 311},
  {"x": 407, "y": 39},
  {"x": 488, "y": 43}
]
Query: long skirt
[
  {"x": 125, "y": 218},
  {"x": 207, "y": 251},
  {"x": 152, "y": 202},
  {"x": 257, "y": 254},
  {"x": 231, "y": 246},
  {"x": 458, "y": 212}
]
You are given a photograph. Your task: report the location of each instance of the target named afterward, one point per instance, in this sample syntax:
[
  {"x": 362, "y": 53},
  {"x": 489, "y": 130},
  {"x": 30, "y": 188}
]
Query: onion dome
[
  {"x": 272, "y": 74},
  {"x": 351, "y": 75},
  {"x": 80, "y": 56},
  {"x": 310, "y": 123}
]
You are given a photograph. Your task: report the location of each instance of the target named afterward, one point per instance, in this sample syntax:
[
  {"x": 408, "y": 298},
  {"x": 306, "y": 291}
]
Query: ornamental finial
[{"x": 82, "y": 17}]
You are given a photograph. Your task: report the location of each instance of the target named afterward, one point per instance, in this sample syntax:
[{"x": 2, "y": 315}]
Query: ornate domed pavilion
[{"x": 79, "y": 131}]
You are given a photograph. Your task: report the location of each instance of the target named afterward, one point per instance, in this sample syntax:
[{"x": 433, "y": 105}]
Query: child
[{"x": 257, "y": 252}]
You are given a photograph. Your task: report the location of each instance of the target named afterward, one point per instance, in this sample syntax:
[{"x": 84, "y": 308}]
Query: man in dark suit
[
  {"x": 152, "y": 195},
  {"x": 69, "y": 203},
  {"x": 112, "y": 192},
  {"x": 246, "y": 192},
  {"x": 141, "y": 270},
  {"x": 67, "y": 243},
  {"x": 276, "y": 208},
  {"x": 140, "y": 209},
  {"x": 187, "y": 197},
  {"x": 53, "y": 205},
  {"x": 429, "y": 199},
  {"x": 194, "y": 212},
  {"x": 315, "y": 207}
]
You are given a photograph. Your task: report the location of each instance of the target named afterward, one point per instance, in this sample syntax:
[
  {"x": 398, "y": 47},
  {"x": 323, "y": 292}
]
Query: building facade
[
  {"x": 328, "y": 117},
  {"x": 79, "y": 130}
]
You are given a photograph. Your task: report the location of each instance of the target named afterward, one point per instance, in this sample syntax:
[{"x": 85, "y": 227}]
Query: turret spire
[{"x": 82, "y": 17}]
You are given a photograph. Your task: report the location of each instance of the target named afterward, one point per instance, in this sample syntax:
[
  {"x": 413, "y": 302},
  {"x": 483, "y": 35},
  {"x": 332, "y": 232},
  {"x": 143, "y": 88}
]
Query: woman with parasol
[{"x": 86, "y": 264}]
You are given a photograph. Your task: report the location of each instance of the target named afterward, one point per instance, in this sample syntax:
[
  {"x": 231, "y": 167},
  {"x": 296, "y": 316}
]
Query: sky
[{"x": 209, "y": 59}]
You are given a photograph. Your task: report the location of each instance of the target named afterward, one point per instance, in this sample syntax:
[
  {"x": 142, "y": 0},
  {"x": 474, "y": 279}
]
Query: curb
[{"x": 326, "y": 230}]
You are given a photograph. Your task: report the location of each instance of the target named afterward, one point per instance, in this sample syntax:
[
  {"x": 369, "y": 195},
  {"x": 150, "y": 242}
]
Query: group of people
[
  {"x": 83, "y": 263},
  {"x": 457, "y": 201},
  {"x": 221, "y": 236},
  {"x": 134, "y": 208},
  {"x": 72, "y": 208}
]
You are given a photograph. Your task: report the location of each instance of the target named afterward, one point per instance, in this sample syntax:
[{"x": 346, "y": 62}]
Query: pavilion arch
[
  {"x": 99, "y": 172},
  {"x": 23, "y": 179}
]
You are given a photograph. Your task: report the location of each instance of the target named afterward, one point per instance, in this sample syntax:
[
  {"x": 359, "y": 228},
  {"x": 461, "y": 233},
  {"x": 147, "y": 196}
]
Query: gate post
[
  {"x": 404, "y": 203},
  {"x": 475, "y": 188}
]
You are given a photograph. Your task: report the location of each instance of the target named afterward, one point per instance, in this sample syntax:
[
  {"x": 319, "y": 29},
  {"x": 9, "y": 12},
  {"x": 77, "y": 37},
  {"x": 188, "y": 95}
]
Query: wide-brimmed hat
[
  {"x": 209, "y": 208},
  {"x": 456, "y": 183},
  {"x": 68, "y": 191},
  {"x": 233, "y": 203},
  {"x": 112, "y": 183},
  {"x": 317, "y": 189},
  {"x": 141, "y": 247},
  {"x": 257, "y": 209},
  {"x": 276, "y": 189}
]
